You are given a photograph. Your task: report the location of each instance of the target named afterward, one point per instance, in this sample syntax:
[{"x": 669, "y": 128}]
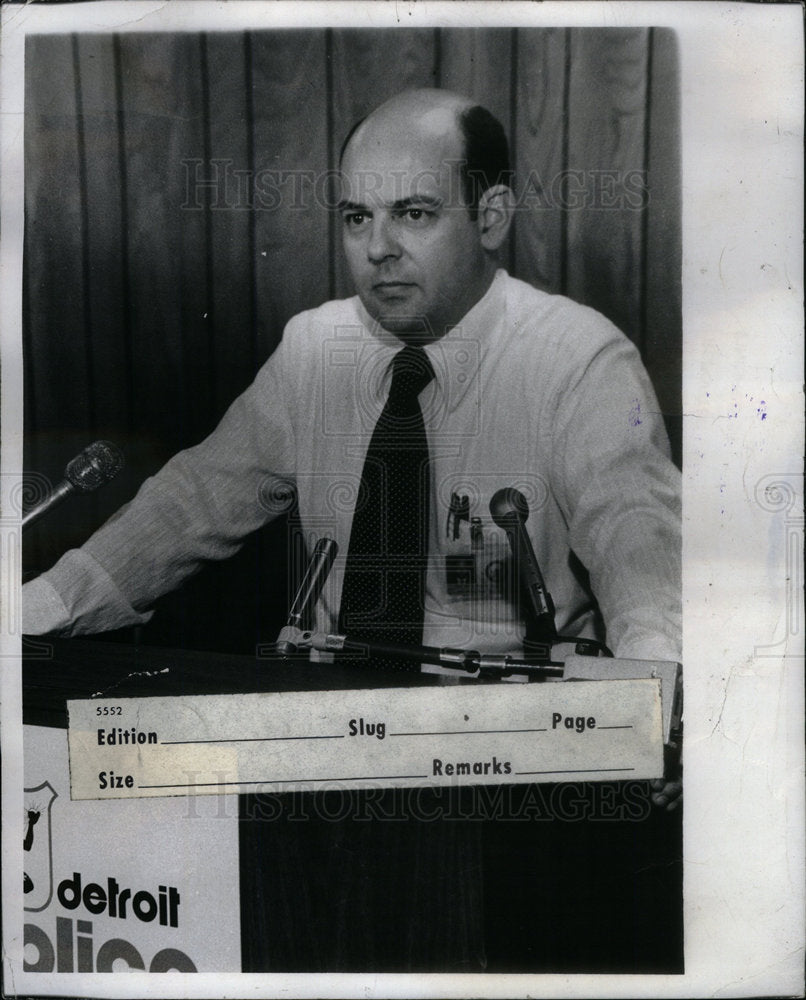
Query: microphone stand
[
  {"x": 541, "y": 635},
  {"x": 469, "y": 660}
]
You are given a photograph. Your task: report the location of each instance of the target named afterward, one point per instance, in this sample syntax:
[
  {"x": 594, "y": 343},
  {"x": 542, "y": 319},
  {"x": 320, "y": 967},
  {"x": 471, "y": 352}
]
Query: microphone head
[
  {"x": 96, "y": 465},
  {"x": 508, "y": 505}
]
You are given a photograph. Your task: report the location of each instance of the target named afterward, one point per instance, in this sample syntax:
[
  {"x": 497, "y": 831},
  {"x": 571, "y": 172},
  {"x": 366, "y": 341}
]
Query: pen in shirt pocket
[{"x": 458, "y": 511}]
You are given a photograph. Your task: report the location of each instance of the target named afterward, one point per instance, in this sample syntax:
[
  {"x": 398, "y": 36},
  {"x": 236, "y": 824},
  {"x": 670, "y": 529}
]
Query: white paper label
[{"x": 486, "y": 734}]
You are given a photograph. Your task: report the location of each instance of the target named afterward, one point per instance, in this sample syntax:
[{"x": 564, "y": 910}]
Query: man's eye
[
  {"x": 416, "y": 214},
  {"x": 354, "y": 219}
]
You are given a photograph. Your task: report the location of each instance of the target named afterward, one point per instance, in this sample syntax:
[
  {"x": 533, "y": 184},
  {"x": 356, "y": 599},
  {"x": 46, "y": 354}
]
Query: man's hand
[{"x": 666, "y": 794}]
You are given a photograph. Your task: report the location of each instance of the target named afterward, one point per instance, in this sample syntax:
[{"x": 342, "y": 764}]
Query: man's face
[{"x": 412, "y": 248}]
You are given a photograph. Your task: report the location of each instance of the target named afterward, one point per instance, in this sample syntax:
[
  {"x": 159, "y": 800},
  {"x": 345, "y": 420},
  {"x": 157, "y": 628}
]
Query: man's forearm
[{"x": 76, "y": 597}]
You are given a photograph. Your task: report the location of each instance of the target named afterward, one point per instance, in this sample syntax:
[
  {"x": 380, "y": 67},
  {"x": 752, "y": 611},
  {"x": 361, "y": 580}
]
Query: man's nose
[{"x": 382, "y": 242}]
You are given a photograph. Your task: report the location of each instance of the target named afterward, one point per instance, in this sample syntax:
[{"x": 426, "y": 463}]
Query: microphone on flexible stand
[
  {"x": 509, "y": 510},
  {"x": 307, "y": 595},
  {"x": 99, "y": 463}
]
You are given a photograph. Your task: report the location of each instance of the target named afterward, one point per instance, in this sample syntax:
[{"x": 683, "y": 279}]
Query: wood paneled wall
[{"x": 176, "y": 217}]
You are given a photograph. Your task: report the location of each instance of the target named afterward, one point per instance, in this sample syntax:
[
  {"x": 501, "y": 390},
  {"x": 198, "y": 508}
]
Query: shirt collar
[{"x": 456, "y": 357}]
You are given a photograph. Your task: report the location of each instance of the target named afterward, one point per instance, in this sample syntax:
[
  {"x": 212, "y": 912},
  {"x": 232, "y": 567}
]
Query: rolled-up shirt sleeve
[
  {"x": 76, "y": 597},
  {"x": 198, "y": 508}
]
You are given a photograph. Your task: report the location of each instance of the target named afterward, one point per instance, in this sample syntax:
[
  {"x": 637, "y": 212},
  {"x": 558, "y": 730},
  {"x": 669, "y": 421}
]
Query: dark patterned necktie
[{"x": 384, "y": 579}]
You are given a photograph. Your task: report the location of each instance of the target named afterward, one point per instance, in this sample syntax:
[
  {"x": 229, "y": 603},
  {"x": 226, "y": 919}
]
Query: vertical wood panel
[
  {"x": 290, "y": 149},
  {"x": 540, "y": 141},
  {"x": 55, "y": 237},
  {"x": 607, "y": 103},
  {"x": 123, "y": 171},
  {"x": 477, "y": 63},
  {"x": 662, "y": 322},
  {"x": 369, "y": 67},
  {"x": 170, "y": 356},
  {"x": 187, "y": 132},
  {"x": 231, "y": 275},
  {"x": 102, "y": 200},
  {"x": 85, "y": 236}
]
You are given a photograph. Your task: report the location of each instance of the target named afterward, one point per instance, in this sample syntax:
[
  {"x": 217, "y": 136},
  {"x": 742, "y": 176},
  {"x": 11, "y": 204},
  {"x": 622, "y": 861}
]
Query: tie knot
[{"x": 411, "y": 373}]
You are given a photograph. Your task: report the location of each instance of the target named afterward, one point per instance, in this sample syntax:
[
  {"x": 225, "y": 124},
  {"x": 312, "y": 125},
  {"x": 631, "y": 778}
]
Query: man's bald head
[{"x": 482, "y": 151}]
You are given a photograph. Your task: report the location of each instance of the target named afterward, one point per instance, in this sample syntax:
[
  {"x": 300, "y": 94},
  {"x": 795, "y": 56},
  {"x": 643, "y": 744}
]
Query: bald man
[{"x": 528, "y": 390}]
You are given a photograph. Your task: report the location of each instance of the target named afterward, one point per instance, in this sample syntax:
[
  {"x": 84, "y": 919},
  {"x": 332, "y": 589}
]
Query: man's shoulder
[
  {"x": 550, "y": 321},
  {"x": 325, "y": 319},
  {"x": 308, "y": 333}
]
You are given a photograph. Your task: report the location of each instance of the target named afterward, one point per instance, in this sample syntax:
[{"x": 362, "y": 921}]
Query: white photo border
[{"x": 742, "y": 141}]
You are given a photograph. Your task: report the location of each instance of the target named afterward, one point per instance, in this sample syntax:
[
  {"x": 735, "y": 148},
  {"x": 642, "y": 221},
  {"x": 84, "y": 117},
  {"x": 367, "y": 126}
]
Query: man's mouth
[{"x": 391, "y": 286}]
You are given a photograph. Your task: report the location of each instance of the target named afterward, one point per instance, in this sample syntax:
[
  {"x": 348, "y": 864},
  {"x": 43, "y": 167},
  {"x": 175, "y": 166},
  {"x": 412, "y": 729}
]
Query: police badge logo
[{"x": 38, "y": 846}]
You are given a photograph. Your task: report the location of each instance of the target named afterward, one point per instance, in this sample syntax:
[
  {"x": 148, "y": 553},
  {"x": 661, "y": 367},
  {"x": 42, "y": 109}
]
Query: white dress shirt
[{"x": 531, "y": 391}]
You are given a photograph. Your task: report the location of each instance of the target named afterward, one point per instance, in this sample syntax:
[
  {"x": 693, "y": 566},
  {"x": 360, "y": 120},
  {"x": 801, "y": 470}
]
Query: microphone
[
  {"x": 509, "y": 510},
  {"x": 99, "y": 463},
  {"x": 316, "y": 573}
]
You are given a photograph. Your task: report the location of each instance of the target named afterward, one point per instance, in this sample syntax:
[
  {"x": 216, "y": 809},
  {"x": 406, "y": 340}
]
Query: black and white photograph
[{"x": 402, "y": 505}]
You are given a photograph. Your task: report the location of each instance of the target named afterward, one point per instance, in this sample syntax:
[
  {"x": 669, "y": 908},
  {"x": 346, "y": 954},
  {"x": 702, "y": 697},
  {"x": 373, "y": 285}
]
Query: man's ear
[{"x": 495, "y": 216}]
